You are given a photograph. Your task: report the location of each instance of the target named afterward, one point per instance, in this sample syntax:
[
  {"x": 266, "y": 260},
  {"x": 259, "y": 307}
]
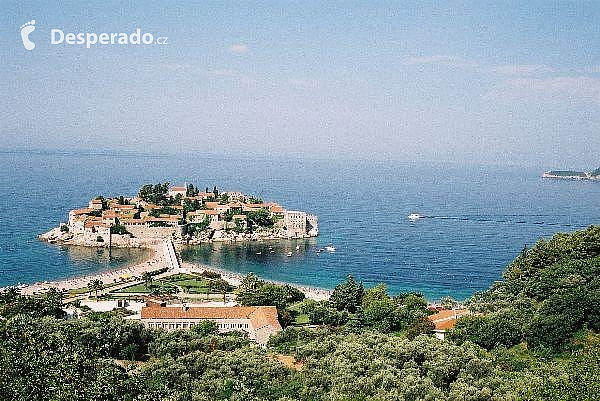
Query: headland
[{"x": 573, "y": 175}]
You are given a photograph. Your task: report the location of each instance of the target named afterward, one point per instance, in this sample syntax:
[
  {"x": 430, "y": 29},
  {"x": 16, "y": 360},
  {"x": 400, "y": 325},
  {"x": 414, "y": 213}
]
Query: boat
[
  {"x": 330, "y": 248},
  {"x": 259, "y": 253},
  {"x": 414, "y": 216},
  {"x": 289, "y": 254},
  {"x": 297, "y": 247}
]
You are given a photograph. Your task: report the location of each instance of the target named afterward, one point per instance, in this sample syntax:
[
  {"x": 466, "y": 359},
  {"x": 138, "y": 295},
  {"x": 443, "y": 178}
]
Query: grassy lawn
[
  {"x": 141, "y": 288},
  {"x": 187, "y": 282},
  {"x": 84, "y": 290},
  {"x": 179, "y": 277},
  {"x": 301, "y": 320}
]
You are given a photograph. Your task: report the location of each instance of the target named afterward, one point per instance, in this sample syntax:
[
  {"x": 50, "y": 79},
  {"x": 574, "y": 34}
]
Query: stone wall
[{"x": 154, "y": 232}]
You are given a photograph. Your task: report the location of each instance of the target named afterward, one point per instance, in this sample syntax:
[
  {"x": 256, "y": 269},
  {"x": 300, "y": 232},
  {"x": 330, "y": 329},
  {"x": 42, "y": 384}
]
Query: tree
[
  {"x": 250, "y": 282},
  {"x": 191, "y": 191},
  {"x": 221, "y": 286},
  {"x": 261, "y": 218},
  {"x": 421, "y": 325},
  {"x": 380, "y": 311},
  {"x": 147, "y": 277},
  {"x": 156, "y": 194},
  {"x": 348, "y": 296},
  {"x": 95, "y": 285}
]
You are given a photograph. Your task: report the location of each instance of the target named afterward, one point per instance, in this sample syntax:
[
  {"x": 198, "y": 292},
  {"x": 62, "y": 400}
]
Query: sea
[{"x": 475, "y": 218}]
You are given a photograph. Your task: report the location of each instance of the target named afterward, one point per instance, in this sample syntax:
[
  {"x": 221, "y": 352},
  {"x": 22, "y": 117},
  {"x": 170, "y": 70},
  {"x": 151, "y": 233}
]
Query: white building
[{"x": 260, "y": 322}]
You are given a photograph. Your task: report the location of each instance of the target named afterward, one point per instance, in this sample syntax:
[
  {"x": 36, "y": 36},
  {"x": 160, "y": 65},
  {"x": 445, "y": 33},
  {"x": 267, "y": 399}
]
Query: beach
[
  {"x": 317, "y": 294},
  {"x": 157, "y": 260}
]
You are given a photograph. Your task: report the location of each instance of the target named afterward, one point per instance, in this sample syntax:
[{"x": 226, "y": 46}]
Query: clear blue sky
[{"x": 507, "y": 83}]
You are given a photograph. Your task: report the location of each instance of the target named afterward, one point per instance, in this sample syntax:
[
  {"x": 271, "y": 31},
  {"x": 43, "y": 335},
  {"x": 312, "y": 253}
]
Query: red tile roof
[
  {"x": 446, "y": 319},
  {"x": 259, "y": 316},
  {"x": 81, "y": 211}
]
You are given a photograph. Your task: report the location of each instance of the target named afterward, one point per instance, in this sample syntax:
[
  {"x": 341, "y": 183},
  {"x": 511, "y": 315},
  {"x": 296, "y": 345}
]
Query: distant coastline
[{"x": 573, "y": 175}]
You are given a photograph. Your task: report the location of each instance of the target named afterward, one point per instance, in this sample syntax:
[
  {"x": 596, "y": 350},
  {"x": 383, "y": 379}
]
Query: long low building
[{"x": 260, "y": 322}]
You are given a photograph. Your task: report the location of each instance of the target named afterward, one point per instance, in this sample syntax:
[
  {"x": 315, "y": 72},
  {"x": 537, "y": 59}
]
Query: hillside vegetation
[
  {"x": 535, "y": 340},
  {"x": 549, "y": 294}
]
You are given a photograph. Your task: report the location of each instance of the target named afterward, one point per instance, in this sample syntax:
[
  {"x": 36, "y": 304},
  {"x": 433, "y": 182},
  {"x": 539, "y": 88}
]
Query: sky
[{"x": 484, "y": 82}]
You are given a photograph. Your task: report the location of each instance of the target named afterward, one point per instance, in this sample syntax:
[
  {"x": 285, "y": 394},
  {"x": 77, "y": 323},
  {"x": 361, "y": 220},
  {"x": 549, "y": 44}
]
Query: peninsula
[
  {"x": 573, "y": 175},
  {"x": 184, "y": 215}
]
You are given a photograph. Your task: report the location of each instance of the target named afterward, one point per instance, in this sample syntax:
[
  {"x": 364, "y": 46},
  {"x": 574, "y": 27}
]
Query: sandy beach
[
  {"x": 317, "y": 294},
  {"x": 155, "y": 262}
]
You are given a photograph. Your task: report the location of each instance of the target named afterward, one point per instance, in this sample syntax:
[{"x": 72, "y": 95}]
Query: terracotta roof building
[
  {"x": 446, "y": 319},
  {"x": 260, "y": 322}
]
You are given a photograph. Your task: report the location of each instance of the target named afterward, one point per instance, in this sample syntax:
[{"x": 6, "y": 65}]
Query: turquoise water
[{"x": 478, "y": 218}]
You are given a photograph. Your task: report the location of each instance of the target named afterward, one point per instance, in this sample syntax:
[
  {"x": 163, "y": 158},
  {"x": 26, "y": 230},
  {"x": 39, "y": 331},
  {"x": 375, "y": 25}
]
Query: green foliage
[
  {"x": 156, "y": 194},
  {"x": 13, "y": 304},
  {"x": 118, "y": 229},
  {"x": 220, "y": 286},
  {"x": 267, "y": 294},
  {"x": 193, "y": 228},
  {"x": 260, "y": 218},
  {"x": 44, "y": 358},
  {"x": 323, "y": 312},
  {"x": 95, "y": 285},
  {"x": 191, "y": 190},
  {"x": 163, "y": 210},
  {"x": 147, "y": 278},
  {"x": 122, "y": 201},
  {"x": 348, "y": 296},
  {"x": 549, "y": 293},
  {"x": 421, "y": 325},
  {"x": 557, "y": 320},
  {"x": 255, "y": 292},
  {"x": 99, "y": 239},
  {"x": 191, "y": 205},
  {"x": 50, "y": 359},
  {"x": 64, "y": 228},
  {"x": 223, "y": 199},
  {"x": 379, "y": 310}
]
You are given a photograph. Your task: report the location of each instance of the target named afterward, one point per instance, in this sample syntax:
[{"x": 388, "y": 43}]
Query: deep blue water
[{"x": 478, "y": 217}]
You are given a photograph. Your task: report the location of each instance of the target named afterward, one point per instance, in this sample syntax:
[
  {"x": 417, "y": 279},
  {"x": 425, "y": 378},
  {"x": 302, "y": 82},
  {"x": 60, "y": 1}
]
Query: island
[
  {"x": 184, "y": 215},
  {"x": 572, "y": 175},
  {"x": 163, "y": 219}
]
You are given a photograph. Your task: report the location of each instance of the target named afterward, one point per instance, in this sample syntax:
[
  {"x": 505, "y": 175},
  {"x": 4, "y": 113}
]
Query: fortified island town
[{"x": 166, "y": 293}]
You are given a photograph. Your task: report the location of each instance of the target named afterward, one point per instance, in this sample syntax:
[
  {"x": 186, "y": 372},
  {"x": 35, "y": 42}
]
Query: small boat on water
[
  {"x": 414, "y": 216},
  {"x": 330, "y": 248},
  {"x": 259, "y": 253},
  {"x": 297, "y": 247},
  {"x": 289, "y": 254}
]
